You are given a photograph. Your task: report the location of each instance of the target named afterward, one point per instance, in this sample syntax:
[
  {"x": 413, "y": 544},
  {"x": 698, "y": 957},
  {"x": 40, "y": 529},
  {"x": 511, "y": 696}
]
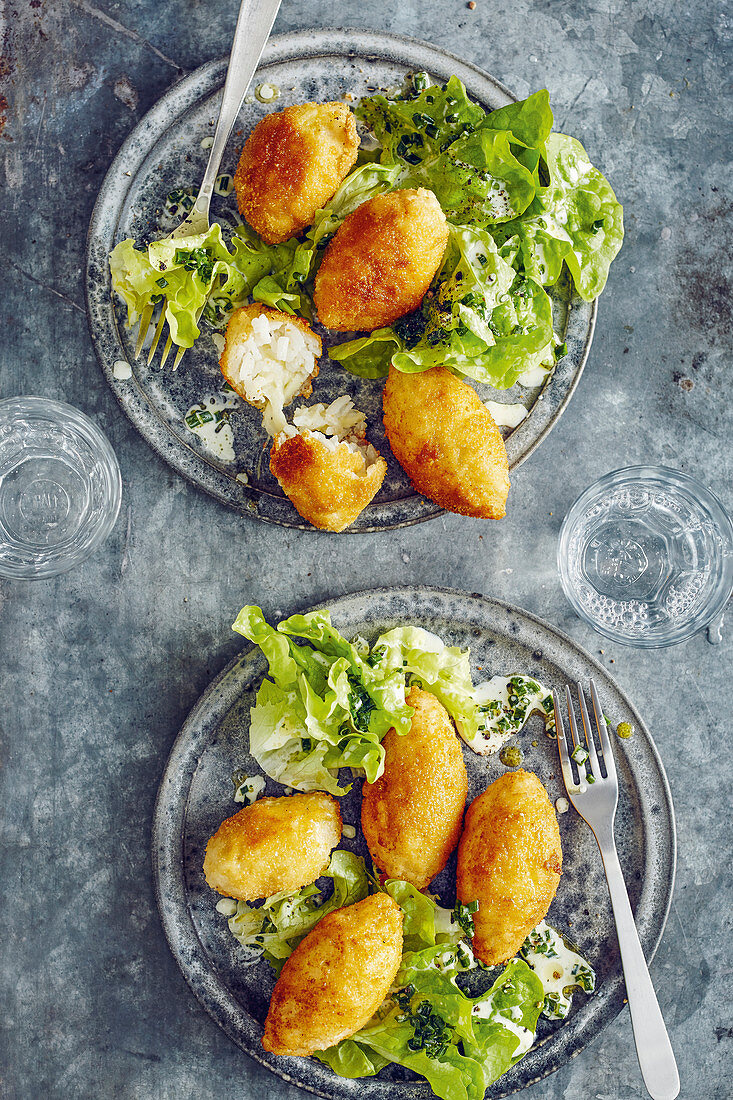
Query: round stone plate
[
  {"x": 167, "y": 150},
  {"x": 196, "y": 795}
]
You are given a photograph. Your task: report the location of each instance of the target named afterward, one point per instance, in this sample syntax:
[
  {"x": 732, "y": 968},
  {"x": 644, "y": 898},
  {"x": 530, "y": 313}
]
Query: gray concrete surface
[{"x": 99, "y": 667}]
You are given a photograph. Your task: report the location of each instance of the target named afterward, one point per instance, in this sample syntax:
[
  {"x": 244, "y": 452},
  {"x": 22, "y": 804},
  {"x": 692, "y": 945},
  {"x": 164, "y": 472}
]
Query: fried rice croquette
[
  {"x": 275, "y": 844},
  {"x": 411, "y": 816},
  {"x": 509, "y": 860},
  {"x": 381, "y": 261},
  {"x": 292, "y": 164},
  {"x": 336, "y": 978},
  {"x": 446, "y": 441},
  {"x": 325, "y": 465},
  {"x": 269, "y": 359}
]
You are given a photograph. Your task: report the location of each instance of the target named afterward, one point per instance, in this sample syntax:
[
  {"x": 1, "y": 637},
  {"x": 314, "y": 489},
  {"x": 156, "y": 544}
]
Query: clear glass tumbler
[
  {"x": 60, "y": 487},
  {"x": 646, "y": 556}
]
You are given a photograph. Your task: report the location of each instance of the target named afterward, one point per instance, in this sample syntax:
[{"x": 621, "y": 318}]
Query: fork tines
[{"x": 584, "y": 750}]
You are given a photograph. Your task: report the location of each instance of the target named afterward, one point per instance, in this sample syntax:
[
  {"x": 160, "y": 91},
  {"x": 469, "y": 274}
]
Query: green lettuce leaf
[
  {"x": 581, "y": 199},
  {"x": 575, "y": 220},
  {"x": 275, "y": 928},
  {"x": 273, "y": 273},
  {"x": 484, "y": 320},
  {"x": 325, "y": 706},
  {"x": 368, "y": 356},
  {"x": 181, "y": 274},
  {"x": 530, "y": 120},
  {"x": 514, "y": 1002},
  {"x": 421, "y": 125},
  {"x": 478, "y": 180},
  {"x": 443, "y": 670}
]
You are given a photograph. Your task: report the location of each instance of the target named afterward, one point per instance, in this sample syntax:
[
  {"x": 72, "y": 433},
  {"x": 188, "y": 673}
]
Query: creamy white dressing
[
  {"x": 226, "y": 906},
  {"x": 266, "y": 93},
  {"x": 485, "y": 1010},
  {"x": 211, "y": 427},
  {"x": 525, "y": 1036},
  {"x": 122, "y": 370},
  {"x": 506, "y": 702},
  {"x": 560, "y": 969},
  {"x": 506, "y": 415},
  {"x": 250, "y": 789},
  {"x": 534, "y": 376}
]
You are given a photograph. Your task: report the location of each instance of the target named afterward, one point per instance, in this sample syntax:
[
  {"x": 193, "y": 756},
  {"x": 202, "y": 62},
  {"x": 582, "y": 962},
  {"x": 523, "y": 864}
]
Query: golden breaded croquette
[
  {"x": 269, "y": 359},
  {"x": 336, "y": 978},
  {"x": 381, "y": 261},
  {"x": 446, "y": 441},
  {"x": 292, "y": 164},
  {"x": 275, "y": 844},
  {"x": 411, "y": 816},
  {"x": 510, "y": 861},
  {"x": 325, "y": 464}
]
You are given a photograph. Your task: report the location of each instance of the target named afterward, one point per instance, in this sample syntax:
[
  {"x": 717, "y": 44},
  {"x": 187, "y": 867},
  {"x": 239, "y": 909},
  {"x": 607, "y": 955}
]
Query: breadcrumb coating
[
  {"x": 381, "y": 261},
  {"x": 446, "y": 441},
  {"x": 292, "y": 164},
  {"x": 336, "y": 978},
  {"x": 275, "y": 844},
  {"x": 411, "y": 816},
  {"x": 510, "y": 861},
  {"x": 330, "y": 484}
]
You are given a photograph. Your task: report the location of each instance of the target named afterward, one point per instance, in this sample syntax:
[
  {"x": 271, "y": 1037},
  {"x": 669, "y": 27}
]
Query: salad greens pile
[
  {"x": 274, "y": 929},
  {"x": 522, "y": 202},
  {"x": 460, "y": 1044},
  {"x": 329, "y": 703}
]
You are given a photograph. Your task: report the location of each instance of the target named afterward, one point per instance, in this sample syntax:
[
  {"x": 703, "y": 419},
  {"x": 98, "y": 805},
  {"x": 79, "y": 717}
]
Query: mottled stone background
[{"x": 99, "y": 668}]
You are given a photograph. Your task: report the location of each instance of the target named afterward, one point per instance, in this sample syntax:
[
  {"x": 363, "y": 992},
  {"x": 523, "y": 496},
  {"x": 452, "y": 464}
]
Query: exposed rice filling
[
  {"x": 272, "y": 365},
  {"x": 335, "y": 425}
]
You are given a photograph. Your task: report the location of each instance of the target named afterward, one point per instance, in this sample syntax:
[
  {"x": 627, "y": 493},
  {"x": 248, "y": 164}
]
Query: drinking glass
[
  {"x": 646, "y": 556},
  {"x": 60, "y": 487}
]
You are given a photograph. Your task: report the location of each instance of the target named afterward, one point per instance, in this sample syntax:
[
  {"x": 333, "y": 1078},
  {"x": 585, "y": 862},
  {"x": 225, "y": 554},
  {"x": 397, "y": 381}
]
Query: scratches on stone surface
[
  {"x": 125, "y": 550},
  {"x": 40, "y": 120},
  {"x": 114, "y": 25},
  {"x": 45, "y": 286},
  {"x": 571, "y": 108}
]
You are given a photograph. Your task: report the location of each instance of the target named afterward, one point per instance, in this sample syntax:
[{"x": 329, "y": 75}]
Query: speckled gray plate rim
[
  {"x": 164, "y": 151},
  {"x": 195, "y": 796}
]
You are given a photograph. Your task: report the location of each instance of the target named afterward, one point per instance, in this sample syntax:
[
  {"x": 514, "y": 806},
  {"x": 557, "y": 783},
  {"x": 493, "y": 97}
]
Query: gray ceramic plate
[
  {"x": 164, "y": 151},
  {"x": 196, "y": 795}
]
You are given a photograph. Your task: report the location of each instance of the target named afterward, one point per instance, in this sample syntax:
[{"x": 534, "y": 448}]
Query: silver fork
[
  {"x": 596, "y": 802},
  {"x": 254, "y": 24}
]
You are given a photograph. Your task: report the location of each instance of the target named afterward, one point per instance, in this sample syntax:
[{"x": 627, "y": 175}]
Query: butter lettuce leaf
[
  {"x": 275, "y": 928},
  {"x": 368, "y": 356},
  {"x": 484, "y": 320},
  {"x": 581, "y": 199},
  {"x": 413, "y": 127},
  {"x": 180, "y": 274},
  {"x": 576, "y": 220},
  {"x": 325, "y": 706},
  {"x": 443, "y": 670},
  {"x": 530, "y": 120},
  {"x": 478, "y": 180}
]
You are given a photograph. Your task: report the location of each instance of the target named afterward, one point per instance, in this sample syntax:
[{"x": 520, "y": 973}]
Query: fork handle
[
  {"x": 254, "y": 24},
  {"x": 653, "y": 1048}
]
